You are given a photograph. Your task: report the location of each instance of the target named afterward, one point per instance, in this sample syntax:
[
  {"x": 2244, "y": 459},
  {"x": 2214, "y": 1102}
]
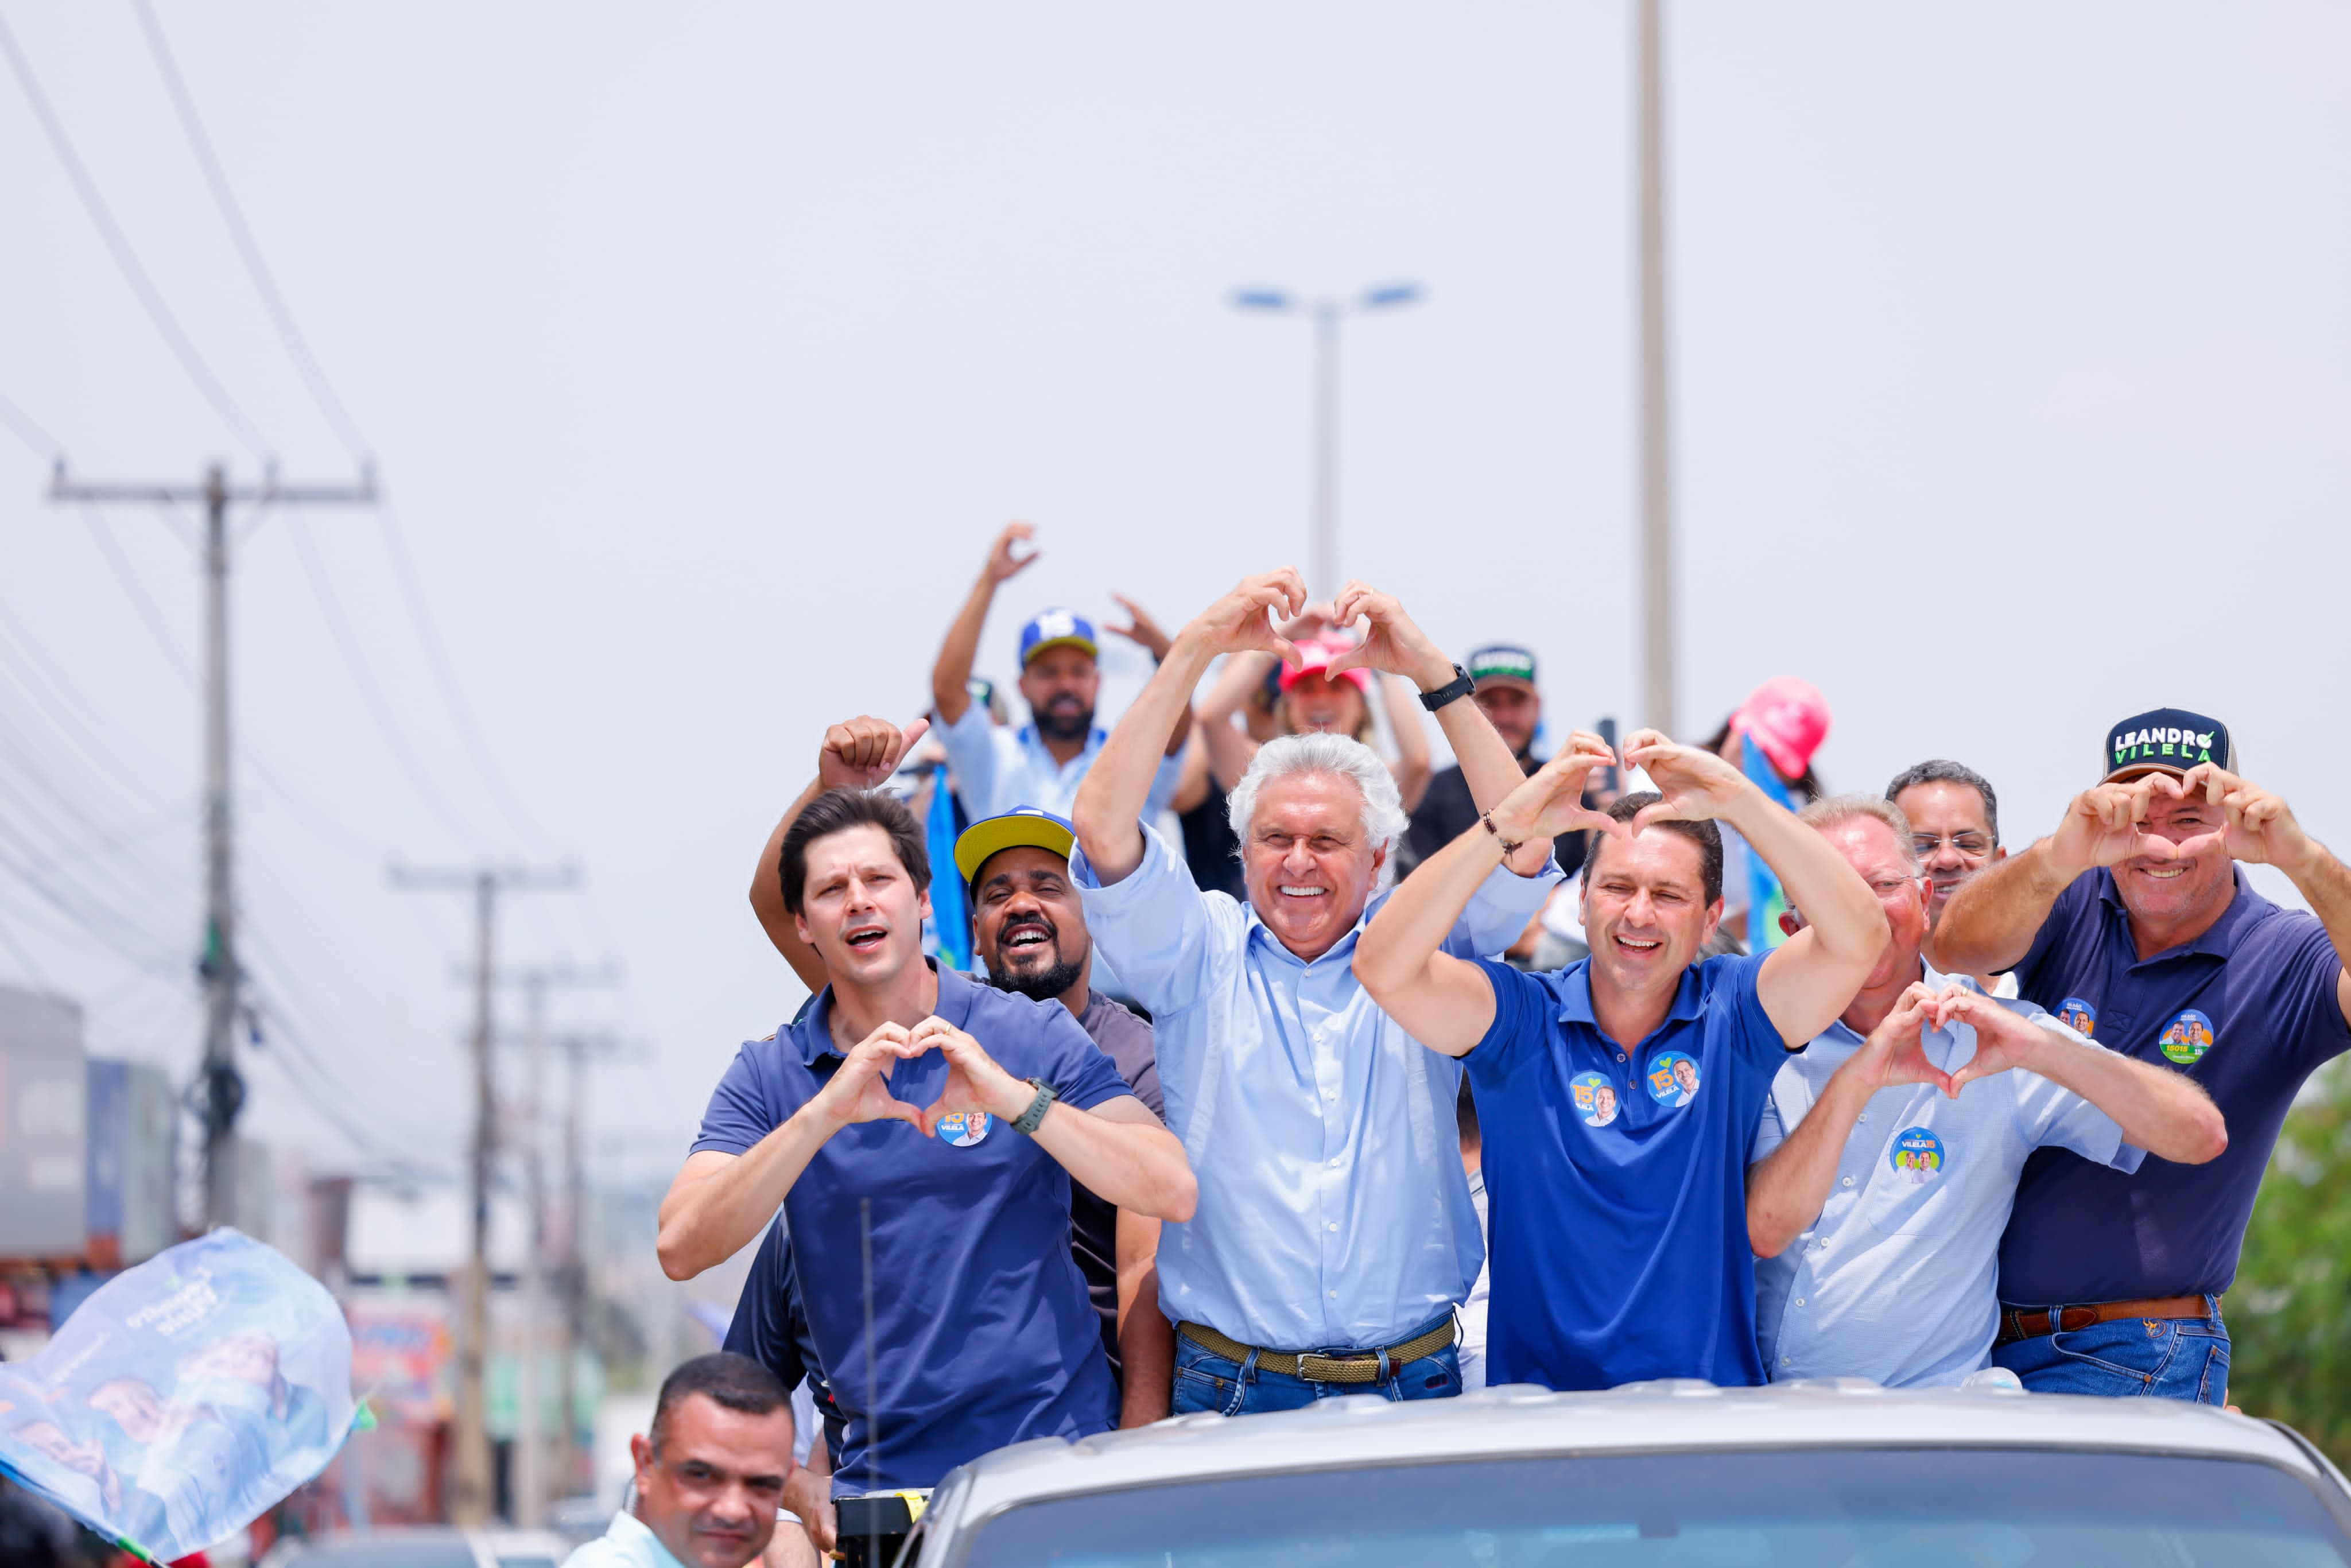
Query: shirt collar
[
  {"x": 633, "y": 1536},
  {"x": 1254, "y": 927},
  {"x": 812, "y": 1039},
  {"x": 1032, "y": 741},
  {"x": 1574, "y": 986},
  {"x": 2220, "y": 938}
]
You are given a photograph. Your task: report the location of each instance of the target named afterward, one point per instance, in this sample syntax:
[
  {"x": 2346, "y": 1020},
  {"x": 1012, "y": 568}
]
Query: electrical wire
[
  {"x": 31, "y": 434},
  {"x": 133, "y": 272},
  {"x": 380, "y": 710},
  {"x": 298, "y": 346}
]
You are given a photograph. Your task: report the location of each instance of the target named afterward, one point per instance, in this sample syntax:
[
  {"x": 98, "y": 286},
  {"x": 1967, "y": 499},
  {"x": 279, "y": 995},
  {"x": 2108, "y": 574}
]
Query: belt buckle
[{"x": 1331, "y": 1362}]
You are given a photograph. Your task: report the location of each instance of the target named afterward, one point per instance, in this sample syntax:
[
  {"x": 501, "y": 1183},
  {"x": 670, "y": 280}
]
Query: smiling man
[
  {"x": 2134, "y": 926},
  {"x": 710, "y": 1472},
  {"x": 1616, "y": 1098},
  {"x": 1335, "y": 1234},
  {"x": 914, "y": 1118}
]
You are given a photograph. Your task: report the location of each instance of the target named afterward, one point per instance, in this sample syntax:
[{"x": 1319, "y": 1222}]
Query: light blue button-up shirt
[
  {"x": 998, "y": 768},
  {"x": 1898, "y": 1278},
  {"x": 1333, "y": 1211},
  {"x": 627, "y": 1544}
]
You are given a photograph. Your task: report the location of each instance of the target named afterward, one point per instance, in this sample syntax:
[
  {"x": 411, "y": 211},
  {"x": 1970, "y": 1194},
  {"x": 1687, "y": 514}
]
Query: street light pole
[{"x": 1328, "y": 312}]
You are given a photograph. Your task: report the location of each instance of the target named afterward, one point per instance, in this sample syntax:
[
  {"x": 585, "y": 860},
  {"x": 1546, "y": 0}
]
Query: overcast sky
[{"x": 702, "y": 351}]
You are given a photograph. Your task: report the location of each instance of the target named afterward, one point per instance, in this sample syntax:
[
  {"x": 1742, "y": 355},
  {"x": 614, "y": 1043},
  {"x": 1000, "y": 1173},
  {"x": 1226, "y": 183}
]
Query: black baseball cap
[
  {"x": 1500, "y": 664},
  {"x": 2165, "y": 740}
]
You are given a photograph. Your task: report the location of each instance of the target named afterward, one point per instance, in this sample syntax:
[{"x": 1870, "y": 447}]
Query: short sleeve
[
  {"x": 2030, "y": 978},
  {"x": 2049, "y": 1115},
  {"x": 762, "y": 1325},
  {"x": 1524, "y": 1009},
  {"x": 741, "y": 1112},
  {"x": 1499, "y": 912},
  {"x": 1733, "y": 980},
  {"x": 1159, "y": 933},
  {"x": 1771, "y": 1132},
  {"x": 2310, "y": 969},
  {"x": 970, "y": 746},
  {"x": 1079, "y": 1071}
]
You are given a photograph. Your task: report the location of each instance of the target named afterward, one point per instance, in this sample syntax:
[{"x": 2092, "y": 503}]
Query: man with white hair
[{"x": 1334, "y": 1235}]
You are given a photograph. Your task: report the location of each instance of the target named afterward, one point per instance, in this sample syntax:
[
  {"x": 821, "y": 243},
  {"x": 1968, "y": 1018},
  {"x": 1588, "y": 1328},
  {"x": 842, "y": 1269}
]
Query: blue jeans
[
  {"x": 1207, "y": 1381},
  {"x": 2162, "y": 1358}
]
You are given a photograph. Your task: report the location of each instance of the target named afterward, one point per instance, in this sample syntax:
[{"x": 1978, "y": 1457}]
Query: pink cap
[
  {"x": 1788, "y": 720},
  {"x": 1315, "y": 655}
]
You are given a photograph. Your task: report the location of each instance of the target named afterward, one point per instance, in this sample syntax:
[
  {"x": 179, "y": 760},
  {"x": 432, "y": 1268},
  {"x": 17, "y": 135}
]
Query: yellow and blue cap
[
  {"x": 1056, "y": 629},
  {"x": 1027, "y": 826}
]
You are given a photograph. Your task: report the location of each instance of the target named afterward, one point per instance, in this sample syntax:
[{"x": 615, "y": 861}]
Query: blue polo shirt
[
  {"x": 982, "y": 1331},
  {"x": 2249, "y": 1010},
  {"x": 1616, "y": 1180}
]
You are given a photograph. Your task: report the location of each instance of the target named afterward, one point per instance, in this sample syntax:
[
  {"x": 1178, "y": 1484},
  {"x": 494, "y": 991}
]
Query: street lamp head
[
  {"x": 1389, "y": 293},
  {"x": 1261, "y": 299}
]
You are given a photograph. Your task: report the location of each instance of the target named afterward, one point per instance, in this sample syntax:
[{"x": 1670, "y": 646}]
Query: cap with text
[
  {"x": 2165, "y": 740},
  {"x": 1025, "y": 828},
  {"x": 1502, "y": 664},
  {"x": 1056, "y": 629}
]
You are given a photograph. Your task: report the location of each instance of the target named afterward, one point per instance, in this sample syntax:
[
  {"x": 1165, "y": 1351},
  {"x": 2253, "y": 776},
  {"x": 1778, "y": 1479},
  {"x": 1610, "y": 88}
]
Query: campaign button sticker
[
  {"x": 2187, "y": 1038},
  {"x": 1918, "y": 1153},
  {"x": 1594, "y": 1094},
  {"x": 1673, "y": 1080},
  {"x": 2078, "y": 1015},
  {"x": 964, "y": 1128}
]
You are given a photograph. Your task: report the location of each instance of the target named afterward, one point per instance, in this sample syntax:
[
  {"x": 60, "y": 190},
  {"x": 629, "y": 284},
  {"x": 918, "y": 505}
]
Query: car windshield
[{"x": 1944, "y": 1508}]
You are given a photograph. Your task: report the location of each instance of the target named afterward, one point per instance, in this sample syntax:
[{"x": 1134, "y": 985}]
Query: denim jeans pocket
[
  {"x": 2140, "y": 1350},
  {"x": 1196, "y": 1389},
  {"x": 1437, "y": 1376}
]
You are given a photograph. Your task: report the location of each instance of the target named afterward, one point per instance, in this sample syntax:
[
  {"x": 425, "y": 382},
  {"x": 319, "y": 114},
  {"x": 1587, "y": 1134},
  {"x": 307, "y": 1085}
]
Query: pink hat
[
  {"x": 1788, "y": 720},
  {"x": 1315, "y": 655}
]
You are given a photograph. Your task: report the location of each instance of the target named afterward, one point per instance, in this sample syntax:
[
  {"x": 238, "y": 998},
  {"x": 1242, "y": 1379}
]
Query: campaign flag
[
  {"x": 184, "y": 1398},
  {"x": 1765, "y": 901},
  {"x": 949, "y": 913}
]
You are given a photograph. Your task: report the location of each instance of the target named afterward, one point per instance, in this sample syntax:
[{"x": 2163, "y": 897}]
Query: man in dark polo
[
  {"x": 2131, "y": 924},
  {"x": 1506, "y": 690}
]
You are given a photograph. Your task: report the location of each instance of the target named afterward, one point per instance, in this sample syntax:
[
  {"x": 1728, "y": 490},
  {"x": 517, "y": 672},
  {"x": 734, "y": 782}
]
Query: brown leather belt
[
  {"x": 1361, "y": 1367},
  {"x": 2016, "y": 1323}
]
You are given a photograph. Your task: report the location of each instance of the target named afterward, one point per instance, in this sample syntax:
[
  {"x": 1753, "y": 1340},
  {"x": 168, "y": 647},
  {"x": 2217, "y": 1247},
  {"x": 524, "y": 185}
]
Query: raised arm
[
  {"x": 1230, "y": 748},
  {"x": 1411, "y": 763},
  {"x": 1788, "y": 1188},
  {"x": 1990, "y": 924},
  {"x": 720, "y": 1202},
  {"x": 1804, "y": 985},
  {"x": 857, "y": 754},
  {"x": 1109, "y": 807},
  {"x": 2165, "y": 1113},
  {"x": 951, "y": 675},
  {"x": 1444, "y": 1002}
]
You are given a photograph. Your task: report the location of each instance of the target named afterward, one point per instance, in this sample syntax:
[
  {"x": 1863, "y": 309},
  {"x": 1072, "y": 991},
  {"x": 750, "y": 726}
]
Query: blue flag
[
  {"x": 950, "y": 914},
  {"x": 1765, "y": 901},
  {"x": 185, "y": 1398}
]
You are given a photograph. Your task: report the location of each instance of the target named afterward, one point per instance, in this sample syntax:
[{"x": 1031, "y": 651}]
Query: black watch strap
[
  {"x": 1454, "y": 690},
  {"x": 1029, "y": 1120}
]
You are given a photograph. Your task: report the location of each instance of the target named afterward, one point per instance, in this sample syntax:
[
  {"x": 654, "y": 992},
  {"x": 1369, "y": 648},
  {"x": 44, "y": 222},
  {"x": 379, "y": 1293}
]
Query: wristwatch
[
  {"x": 1029, "y": 1120},
  {"x": 1454, "y": 690}
]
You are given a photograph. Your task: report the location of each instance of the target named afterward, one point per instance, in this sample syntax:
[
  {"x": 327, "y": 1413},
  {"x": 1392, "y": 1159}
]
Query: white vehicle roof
[{"x": 1686, "y": 1416}]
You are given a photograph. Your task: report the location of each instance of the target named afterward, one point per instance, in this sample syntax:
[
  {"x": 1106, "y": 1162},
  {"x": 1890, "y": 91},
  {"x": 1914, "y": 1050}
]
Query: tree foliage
[{"x": 2290, "y": 1312}]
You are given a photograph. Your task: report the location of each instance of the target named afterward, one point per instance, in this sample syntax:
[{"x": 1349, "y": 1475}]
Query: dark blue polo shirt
[
  {"x": 1617, "y": 1181},
  {"x": 982, "y": 1331},
  {"x": 2249, "y": 1010},
  {"x": 770, "y": 1326}
]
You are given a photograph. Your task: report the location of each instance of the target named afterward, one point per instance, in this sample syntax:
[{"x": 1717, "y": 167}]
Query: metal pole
[
  {"x": 575, "y": 1272},
  {"x": 1657, "y": 468},
  {"x": 1324, "y": 555},
  {"x": 223, "y": 1089},
  {"x": 471, "y": 1504},
  {"x": 530, "y": 1438}
]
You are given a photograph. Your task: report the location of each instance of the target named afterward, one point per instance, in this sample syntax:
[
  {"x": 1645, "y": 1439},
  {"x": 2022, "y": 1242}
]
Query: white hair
[{"x": 1290, "y": 754}]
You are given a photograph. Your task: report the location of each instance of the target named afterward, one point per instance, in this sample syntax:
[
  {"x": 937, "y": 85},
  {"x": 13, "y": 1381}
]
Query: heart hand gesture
[
  {"x": 1696, "y": 783},
  {"x": 1242, "y": 620},
  {"x": 1895, "y": 1052},
  {"x": 975, "y": 1082},
  {"x": 859, "y": 1088}
]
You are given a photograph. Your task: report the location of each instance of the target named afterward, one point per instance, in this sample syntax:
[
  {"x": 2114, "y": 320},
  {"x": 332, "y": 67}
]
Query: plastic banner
[{"x": 184, "y": 1398}]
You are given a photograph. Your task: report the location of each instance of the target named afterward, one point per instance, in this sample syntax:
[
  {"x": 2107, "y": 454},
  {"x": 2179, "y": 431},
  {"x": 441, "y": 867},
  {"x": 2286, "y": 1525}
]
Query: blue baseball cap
[
  {"x": 1056, "y": 629},
  {"x": 1024, "y": 826}
]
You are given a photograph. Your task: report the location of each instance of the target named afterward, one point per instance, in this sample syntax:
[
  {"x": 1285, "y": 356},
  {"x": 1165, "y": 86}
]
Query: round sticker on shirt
[
  {"x": 1918, "y": 1153},
  {"x": 2187, "y": 1038},
  {"x": 964, "y": 1128},
  {"x": 2078, "y": 1015},
  {"x": 1673, "y": 1080},
  {"x": 1595, "y": 1098}
]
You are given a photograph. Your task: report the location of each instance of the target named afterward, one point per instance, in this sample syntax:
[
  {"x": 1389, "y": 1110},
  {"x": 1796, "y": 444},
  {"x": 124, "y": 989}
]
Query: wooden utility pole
[{"x": 219, "y": 1090}]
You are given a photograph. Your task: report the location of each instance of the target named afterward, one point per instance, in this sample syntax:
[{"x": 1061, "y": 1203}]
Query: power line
[
  {"x": 182, "y": 348},
  {"x": 298, "y": 348},
  {"x": 31, "y": 434}
]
